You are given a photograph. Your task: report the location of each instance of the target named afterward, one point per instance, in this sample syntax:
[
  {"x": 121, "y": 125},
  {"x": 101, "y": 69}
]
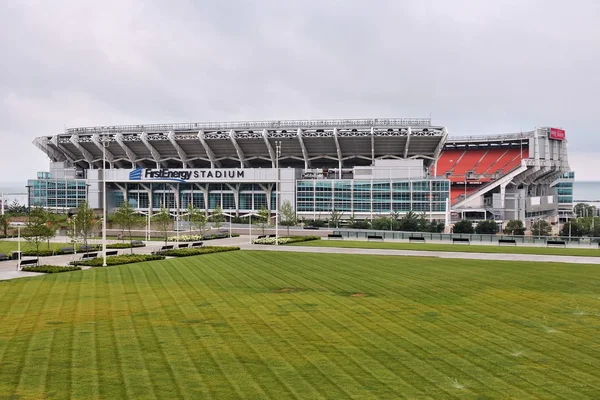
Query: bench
[
  {"x": 29, "y": 261},
  {"x": 182, "y": 245},
  {"x": 375, "y": 237},
  {"x": 262, "y": 237},
  {"x": 197, "y": 244},
  {"x": 111, "y": 253},
  {"x": 416, "y": 239},
  {"x": 507, "y": 241},
  {"x": 561, "y": 243},
  {"x": 3, "y": 257},
  {"x": 461, "y": 240},
  {"x": 334, "y": 236},
  {"x": 137, "y": 243},
  {"x": 88, "y": 256},
  {"x": 163, "y": 248},
  {"x": 85, "y": 249},
  {"x": 67, "y": 250}
]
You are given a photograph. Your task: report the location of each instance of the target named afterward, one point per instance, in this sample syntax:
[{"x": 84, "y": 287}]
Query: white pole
[
  {"x": 229, "y": 226},
  {"x": 104, "y": 201},
  {"x": 278, "y": 145},
  {"x": 250, "y": 227},
  {"x": 177, "y": 225},
  {"x": 19, "y": 248}
]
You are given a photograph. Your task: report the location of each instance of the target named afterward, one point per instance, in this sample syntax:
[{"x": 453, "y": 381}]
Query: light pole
[
  {"x": 104, "y": 144},
  {"x": 278, "y": 154},
  {"x": 19, "y": 247},
  {"x": 177, "y": 226}
]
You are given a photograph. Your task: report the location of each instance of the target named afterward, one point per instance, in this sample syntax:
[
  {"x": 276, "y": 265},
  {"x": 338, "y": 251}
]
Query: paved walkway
[{"x": 8, "y": 268}]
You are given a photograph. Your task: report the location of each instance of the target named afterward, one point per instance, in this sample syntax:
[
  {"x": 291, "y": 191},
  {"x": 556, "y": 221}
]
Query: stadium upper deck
[{"x": 304, "y": 144}]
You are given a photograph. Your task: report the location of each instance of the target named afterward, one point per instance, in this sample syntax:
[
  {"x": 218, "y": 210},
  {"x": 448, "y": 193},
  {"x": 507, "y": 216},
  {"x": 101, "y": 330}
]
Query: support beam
[
  {"x": 238, "y": 149},
  {"x": 130, "y": 154},
  {"x": 269, "y": 147},
  {"x": 98, "y": 143},
  {"x": 155, "y": 154},
  {"x": 42, "y": 144},
  {"x": 304, "y": 152},
  {"x": 438, "y": 150},
  {"x": 69, "y": 156},
  {"x": 407, "y": 145},
  {"x": 211, "y": 156},
  {"x": 74, "y": 139},
  {"x": 182, "y": 154},
  {"x": 339, "y": 150}
]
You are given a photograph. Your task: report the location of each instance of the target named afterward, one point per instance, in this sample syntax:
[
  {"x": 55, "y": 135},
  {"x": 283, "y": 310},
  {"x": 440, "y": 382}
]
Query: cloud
[{"x": 475, "y": 67}]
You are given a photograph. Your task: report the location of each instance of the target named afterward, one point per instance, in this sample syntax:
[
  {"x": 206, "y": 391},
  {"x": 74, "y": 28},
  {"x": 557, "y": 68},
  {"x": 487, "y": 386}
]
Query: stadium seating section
[{"x": 476, "y": 166}]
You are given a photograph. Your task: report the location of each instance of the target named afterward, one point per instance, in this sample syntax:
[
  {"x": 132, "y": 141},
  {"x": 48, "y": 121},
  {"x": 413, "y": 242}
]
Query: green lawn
[
  {"x": 584, "y": 252},
  {"x": 7, "y": 246},
  {"x": 279, "y": 325}
]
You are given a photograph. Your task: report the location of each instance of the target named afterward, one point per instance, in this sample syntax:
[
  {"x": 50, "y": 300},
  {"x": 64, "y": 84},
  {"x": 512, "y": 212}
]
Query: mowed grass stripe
[
  {"x": 325, "y": 333},
  {"x": 304, "y": 389},
  {"x": 441, "y": 381},
  {"x": 212, "y": 342}
]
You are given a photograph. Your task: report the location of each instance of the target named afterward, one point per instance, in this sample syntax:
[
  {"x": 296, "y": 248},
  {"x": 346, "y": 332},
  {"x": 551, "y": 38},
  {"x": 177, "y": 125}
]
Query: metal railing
[
  {"x": 505, "y": 136},
  {"x": 365, "y": 122}
]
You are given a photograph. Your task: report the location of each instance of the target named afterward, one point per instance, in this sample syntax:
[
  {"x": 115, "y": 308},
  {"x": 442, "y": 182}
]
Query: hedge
[
  {"x": 41, "y": 253},
  {"x": 124, "y": 245},
  {"x": 197, "y": 251},
  {"x": 195, "y": 238},
  {"x": 50, "y": 269},
  {"x": 286, "y": 240},
  {"x": 119, "y": 260}
]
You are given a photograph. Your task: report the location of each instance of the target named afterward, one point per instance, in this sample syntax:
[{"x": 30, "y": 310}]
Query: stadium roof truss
[{"x": 304, "y": 144}]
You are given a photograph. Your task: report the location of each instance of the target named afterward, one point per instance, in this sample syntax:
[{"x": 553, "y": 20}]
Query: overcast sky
[{"x": 477, "y": 67}]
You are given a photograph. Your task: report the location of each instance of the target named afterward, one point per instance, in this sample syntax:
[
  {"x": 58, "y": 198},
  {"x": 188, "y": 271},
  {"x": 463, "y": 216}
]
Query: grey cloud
[{"x": 477, "y": 67}]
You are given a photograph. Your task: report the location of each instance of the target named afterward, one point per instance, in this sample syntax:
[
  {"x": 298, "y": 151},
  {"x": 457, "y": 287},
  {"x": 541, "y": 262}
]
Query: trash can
[{"x": 15, "y": 255}]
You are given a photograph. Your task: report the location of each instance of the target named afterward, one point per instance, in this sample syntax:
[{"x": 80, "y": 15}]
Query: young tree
[
  {"x": 37, "y": 229},
  {"x": 514, "y": 227},
  {"x": 541, "y": 228},
  {"x": 410, "y": 222},
  {"x": 486, "y": 227},
  {"x": 335, "y": 218},
  {"x": 16, "y": 208},
  {"x": 463, "y": 226},
  {"x": 571, "y": 229},
  {"x": 382, "y": 223},
  {"x": 288, "y": 215},
  {"x": 217, "y": 218},
  {"x": 4, "y": 223},
  {"x": 197, "y": 218},
  {"x": 84, "y": 221},
  {"x": 163, "y": 223},
  {"x": 127, "y": 219},
  {"x": 263, "y": 219}
]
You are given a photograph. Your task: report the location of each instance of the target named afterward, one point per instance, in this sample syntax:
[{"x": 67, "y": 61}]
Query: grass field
[
  {"x": 262, "y": 325},
  {"x": 465, "y": 248},
  {"x": 7, "y": 246}
]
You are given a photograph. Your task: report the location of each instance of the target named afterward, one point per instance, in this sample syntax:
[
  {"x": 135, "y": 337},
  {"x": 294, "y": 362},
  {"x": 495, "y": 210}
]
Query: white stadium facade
[{"x": 361, "y": 168}]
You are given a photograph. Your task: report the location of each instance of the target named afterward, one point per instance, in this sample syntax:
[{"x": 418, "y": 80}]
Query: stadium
[{"x": 361, "y": 168}]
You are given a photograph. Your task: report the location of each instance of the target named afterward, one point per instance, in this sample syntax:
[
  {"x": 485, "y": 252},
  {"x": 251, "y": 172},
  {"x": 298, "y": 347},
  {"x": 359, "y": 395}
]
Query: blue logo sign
[{"x": 135, "y": 175}]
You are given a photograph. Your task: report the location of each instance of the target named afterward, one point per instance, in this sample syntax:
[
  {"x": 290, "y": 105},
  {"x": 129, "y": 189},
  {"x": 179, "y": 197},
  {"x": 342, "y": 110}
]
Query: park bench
[
  {"x": 29, "y": 261},
  {"x": 164, "y": 248},
  {"x": 85, "y": 249},
  {"x": 416, "y": 239},
  {"x": 67, "y": 250},
  {"x": 507, "y": 241},
  {"x": 182, "y": 245},
  {"x": 197, "y": 244},
  {"x": 560, "y": 243},
  {"x": 461, "y": 240},
  {"x": 261, "y": 236},
  {"x": 88, "y": 256},
  {"x": 334, "y": 236},
  {"x": 4, "y": 257},
  {"x": 375, "y": 237},
  {"x": 111, "y": 253}
]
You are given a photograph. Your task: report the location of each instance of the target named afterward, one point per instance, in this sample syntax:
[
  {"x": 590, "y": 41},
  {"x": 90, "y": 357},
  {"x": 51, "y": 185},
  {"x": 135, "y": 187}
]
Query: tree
[
  {"x": 16, "y": 208},
  {"x": 541, "y": 228},
  {"x": 263, "y": 218},
  {"x": 197, "y": 218},
  {"x": 335, "y": 218},
  {"x": 4, "y": 223},
  {"x": 37, "y": 229},
  {"x": 163, "y": 222},
  {"x": 486, "y": 227},
  {"x": 463, "y": 226},
  {"x": 217, "y": 218},
  {"x": 382, "y": 223},
  {"x": 410, "y": 222},
  {"x": 127, "y": 219},
  {"x": 584, "y": 210},
  {"x": 288, "y": 215},
  {"x": 84, "y": 221},
  {"x": 571, "y": 229},
  {"x": 514, "y": 227}
]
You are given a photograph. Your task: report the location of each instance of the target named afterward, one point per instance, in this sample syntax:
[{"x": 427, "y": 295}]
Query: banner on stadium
[{"x": 557, "y": 134}]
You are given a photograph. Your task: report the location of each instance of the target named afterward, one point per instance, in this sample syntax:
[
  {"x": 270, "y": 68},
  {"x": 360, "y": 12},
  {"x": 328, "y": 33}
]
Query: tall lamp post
[
  {"x": 104, "y": 144},
  {"x": 277, "y": 155},
  {"x": 19, "y": 247}
]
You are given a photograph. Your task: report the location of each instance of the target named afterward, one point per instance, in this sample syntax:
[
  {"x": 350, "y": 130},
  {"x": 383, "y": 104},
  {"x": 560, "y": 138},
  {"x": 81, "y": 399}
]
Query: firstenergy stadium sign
[{"x": 184, "y": 175}]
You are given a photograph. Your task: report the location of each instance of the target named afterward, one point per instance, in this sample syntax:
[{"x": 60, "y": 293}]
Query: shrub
[
  {"x": 40, "y": 253},
  {"x": 196, "y": 238},
  {"x": 119, "y": 260},
  {"x": 286, "y": 240},
  {"x": 124, "y": 245},
  {"x": 50, "y": 269},
  {"x": 197, "y": 251}
]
